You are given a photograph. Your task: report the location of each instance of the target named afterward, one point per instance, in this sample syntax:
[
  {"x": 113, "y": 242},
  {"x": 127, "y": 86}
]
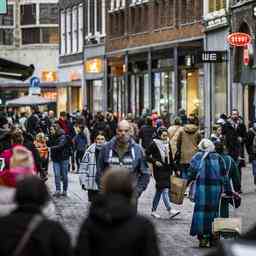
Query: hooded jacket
[
  {"x": 187, "y": 142},
  {"x": 113, "y": 228}
]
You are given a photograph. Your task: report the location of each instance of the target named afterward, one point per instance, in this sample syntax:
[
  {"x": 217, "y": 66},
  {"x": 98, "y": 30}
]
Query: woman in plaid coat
[
  {"x": 208, "y": 170},
  {"x": 88, "y": 168}
]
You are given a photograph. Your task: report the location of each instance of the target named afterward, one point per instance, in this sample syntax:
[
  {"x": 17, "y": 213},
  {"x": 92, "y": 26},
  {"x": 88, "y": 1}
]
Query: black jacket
[
  {"x": 5, "y": 139},
  {"x": 146, "y": 135},
  {"x": 49, "y": 238},
  {"x": 232, "y": 135},
  {"x": 161, "y": 174},
  {"x": 249, "y": 143},
  {"x": 60, "y": 147},
  {"x": 113, "y": 228}
]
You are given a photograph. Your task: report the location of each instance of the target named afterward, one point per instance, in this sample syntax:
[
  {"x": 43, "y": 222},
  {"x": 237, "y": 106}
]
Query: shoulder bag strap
[{"x": 34, "y": 223}]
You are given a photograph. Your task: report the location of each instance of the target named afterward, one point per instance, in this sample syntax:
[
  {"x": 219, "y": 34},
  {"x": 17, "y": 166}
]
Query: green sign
[{"x": 3, "y": 7}]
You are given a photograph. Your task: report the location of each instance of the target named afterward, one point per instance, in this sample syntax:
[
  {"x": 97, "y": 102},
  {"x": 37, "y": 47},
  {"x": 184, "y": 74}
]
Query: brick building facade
[{"x": 153, "y": 56}]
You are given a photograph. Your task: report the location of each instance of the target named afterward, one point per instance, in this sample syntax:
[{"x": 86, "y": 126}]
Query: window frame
[{"x": 4, "y": 27}]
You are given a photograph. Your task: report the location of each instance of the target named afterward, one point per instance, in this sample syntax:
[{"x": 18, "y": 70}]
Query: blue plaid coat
[{"x": 208, "y": 191}]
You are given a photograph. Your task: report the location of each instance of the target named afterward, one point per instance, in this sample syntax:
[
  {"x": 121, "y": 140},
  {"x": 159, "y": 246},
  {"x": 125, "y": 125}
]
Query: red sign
[
  {"x": 239, "y": 39},
  {"x": 246, "y": 56}
]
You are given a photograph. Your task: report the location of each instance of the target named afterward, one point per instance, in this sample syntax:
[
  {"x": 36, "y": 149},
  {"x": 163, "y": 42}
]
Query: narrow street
[{"x": 173, "y": 234}]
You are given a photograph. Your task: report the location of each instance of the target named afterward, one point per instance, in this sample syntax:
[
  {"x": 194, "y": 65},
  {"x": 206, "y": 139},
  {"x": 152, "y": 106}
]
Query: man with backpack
[{"x": 251, "y": 148}]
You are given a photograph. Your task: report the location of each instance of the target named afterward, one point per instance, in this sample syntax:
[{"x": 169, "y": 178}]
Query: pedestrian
[
  {"x": 187, "y": 142},
  {"x": 22, "y": 120},
  {"x": 26, "y": 231},
  {"x": 88, "y": 168},
  {"x": 146, "y": 133},
  {"x": 183, "y": 116},
  {"x": 111, "y": 125},
  {"x": 113, "y": 227},
  {"x": 231, "y": 180},
  {"x": 33, "y": 122},
  {"x": 5, "y": 133},
  {"x": 173, "y": 133},
  {"x": 41, "y": 145},
  {"x": 251, "y": 149},
  {"x": 122, "y": 151},
  {"x": 206, "y": 168},
  {"x": 60, "y": 154},
  {"x": 235, "y": 134},
  {"x": 159, "y": 154},
  {"x": 80, "y": 144},
  {"x": 217, "y": 135},
  {"x": 134, "y": 130}
]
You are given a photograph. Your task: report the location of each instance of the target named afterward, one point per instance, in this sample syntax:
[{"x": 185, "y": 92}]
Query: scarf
[{"x": 164, "y": 149}]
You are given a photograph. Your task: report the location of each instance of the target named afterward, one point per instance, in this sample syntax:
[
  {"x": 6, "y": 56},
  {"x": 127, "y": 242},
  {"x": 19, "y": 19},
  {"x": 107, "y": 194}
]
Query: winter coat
[
  {"x": 173, "y": 133},
  {"x": 133, "y": 160},
  {"x": 249, "y": 144},
  {"x": 208, "y": 191},
  {"x": 33, "y": 124},
  {"x": 113, "y": 228},
  {"x": 49, "y": 238},
  {"x": 60, "y": 148},
  {"x": 146, "y": 135},
  {"x": 7, "y": 204},
  {"x": 187, "y": 142},
  {"x": 234, "y": 146},
  {"x": 5, "y": 139},
  {"x": 80, "y": 142},
  {"x": 163, "y": 173},
  {"x": 88, "y": 169}
]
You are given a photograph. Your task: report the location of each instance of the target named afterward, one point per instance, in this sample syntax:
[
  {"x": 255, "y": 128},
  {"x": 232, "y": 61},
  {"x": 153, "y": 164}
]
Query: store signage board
[
  {"x": 3, "y": 7},
  {"x": 214, "y": 56},
  {"x": 239, "y": 39}
]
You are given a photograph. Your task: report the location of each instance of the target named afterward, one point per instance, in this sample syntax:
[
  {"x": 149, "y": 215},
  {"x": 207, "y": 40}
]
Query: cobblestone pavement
[{"x": 173, "y": 234}]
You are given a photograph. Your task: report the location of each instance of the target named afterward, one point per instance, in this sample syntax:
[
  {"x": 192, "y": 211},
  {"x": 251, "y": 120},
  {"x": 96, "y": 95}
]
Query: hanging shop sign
[
  {"x": 214, "y": 56},
  {"x": 239, "y": 39},
  {"x": 94, "y": 66}
]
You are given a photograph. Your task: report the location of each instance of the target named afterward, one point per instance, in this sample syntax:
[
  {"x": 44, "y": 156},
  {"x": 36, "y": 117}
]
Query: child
[{"x": 40, "y": 144}]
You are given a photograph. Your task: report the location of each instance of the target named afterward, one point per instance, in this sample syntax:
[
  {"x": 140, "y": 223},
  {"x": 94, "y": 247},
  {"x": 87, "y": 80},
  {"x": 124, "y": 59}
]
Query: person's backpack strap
[{"x": 34, "y": 223}]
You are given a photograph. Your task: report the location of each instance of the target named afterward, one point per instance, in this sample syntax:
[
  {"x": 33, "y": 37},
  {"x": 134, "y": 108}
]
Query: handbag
[
  {"x": 34, "y": 223},
  {"x": 177, "y": 190}
]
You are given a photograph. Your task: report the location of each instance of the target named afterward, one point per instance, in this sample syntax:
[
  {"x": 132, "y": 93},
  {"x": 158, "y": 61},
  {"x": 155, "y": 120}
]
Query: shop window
[
  {"x": 7, "y": 19},
  {"x": 216, "y": 5},
  {"x": 40, "y": 36},
  {"x": 6, "y": 36},
  {"x": 48, "y": 14},
  {"x": 28, "y": 14}
]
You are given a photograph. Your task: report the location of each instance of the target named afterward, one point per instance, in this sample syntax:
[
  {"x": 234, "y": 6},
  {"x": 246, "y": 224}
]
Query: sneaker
[
  {"x": 155, "y": 215},
  {"x": 57, "y": 194},
  {"x": 173, "y": 213},
  {"x": 64, "y": 193}
]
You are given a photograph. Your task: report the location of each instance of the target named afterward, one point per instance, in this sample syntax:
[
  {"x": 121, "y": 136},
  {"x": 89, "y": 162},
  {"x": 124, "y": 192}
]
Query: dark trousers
[
  {"x": 79, "y": 157},
  {"x": 92, "y": 195}
]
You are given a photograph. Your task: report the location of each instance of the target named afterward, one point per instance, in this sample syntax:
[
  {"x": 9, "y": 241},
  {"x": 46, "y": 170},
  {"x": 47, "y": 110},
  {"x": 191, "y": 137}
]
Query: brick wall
[{"x": 155, "y": 22}]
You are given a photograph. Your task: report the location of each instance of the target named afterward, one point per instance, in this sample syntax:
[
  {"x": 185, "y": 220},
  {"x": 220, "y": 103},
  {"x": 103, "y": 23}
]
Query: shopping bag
[
  {"x": 232, "y": 225},
  {"x": 178, "y": 188}
]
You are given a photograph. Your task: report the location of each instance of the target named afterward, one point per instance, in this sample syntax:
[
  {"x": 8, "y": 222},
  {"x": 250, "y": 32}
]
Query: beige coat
[
  {"x": 173, "y": 133},
  {"x": 188, "y": 139}
]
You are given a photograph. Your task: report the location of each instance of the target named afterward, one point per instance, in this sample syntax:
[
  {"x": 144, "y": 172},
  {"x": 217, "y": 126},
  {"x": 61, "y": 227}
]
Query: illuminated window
[{"x": 216, "y": 5}]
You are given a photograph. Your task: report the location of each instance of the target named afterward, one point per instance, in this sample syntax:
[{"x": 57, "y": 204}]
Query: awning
[
  {"x": 13, "y": 70},
  {"x": 29, "y": 101}
]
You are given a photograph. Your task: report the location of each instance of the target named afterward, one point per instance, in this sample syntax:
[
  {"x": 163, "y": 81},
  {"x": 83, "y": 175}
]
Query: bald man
[{"x": 122, "y": 151}]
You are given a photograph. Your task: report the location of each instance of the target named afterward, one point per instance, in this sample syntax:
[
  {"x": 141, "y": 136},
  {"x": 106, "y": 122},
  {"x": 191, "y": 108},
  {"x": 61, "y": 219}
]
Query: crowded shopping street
[{"x": 127, "y": 128}]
